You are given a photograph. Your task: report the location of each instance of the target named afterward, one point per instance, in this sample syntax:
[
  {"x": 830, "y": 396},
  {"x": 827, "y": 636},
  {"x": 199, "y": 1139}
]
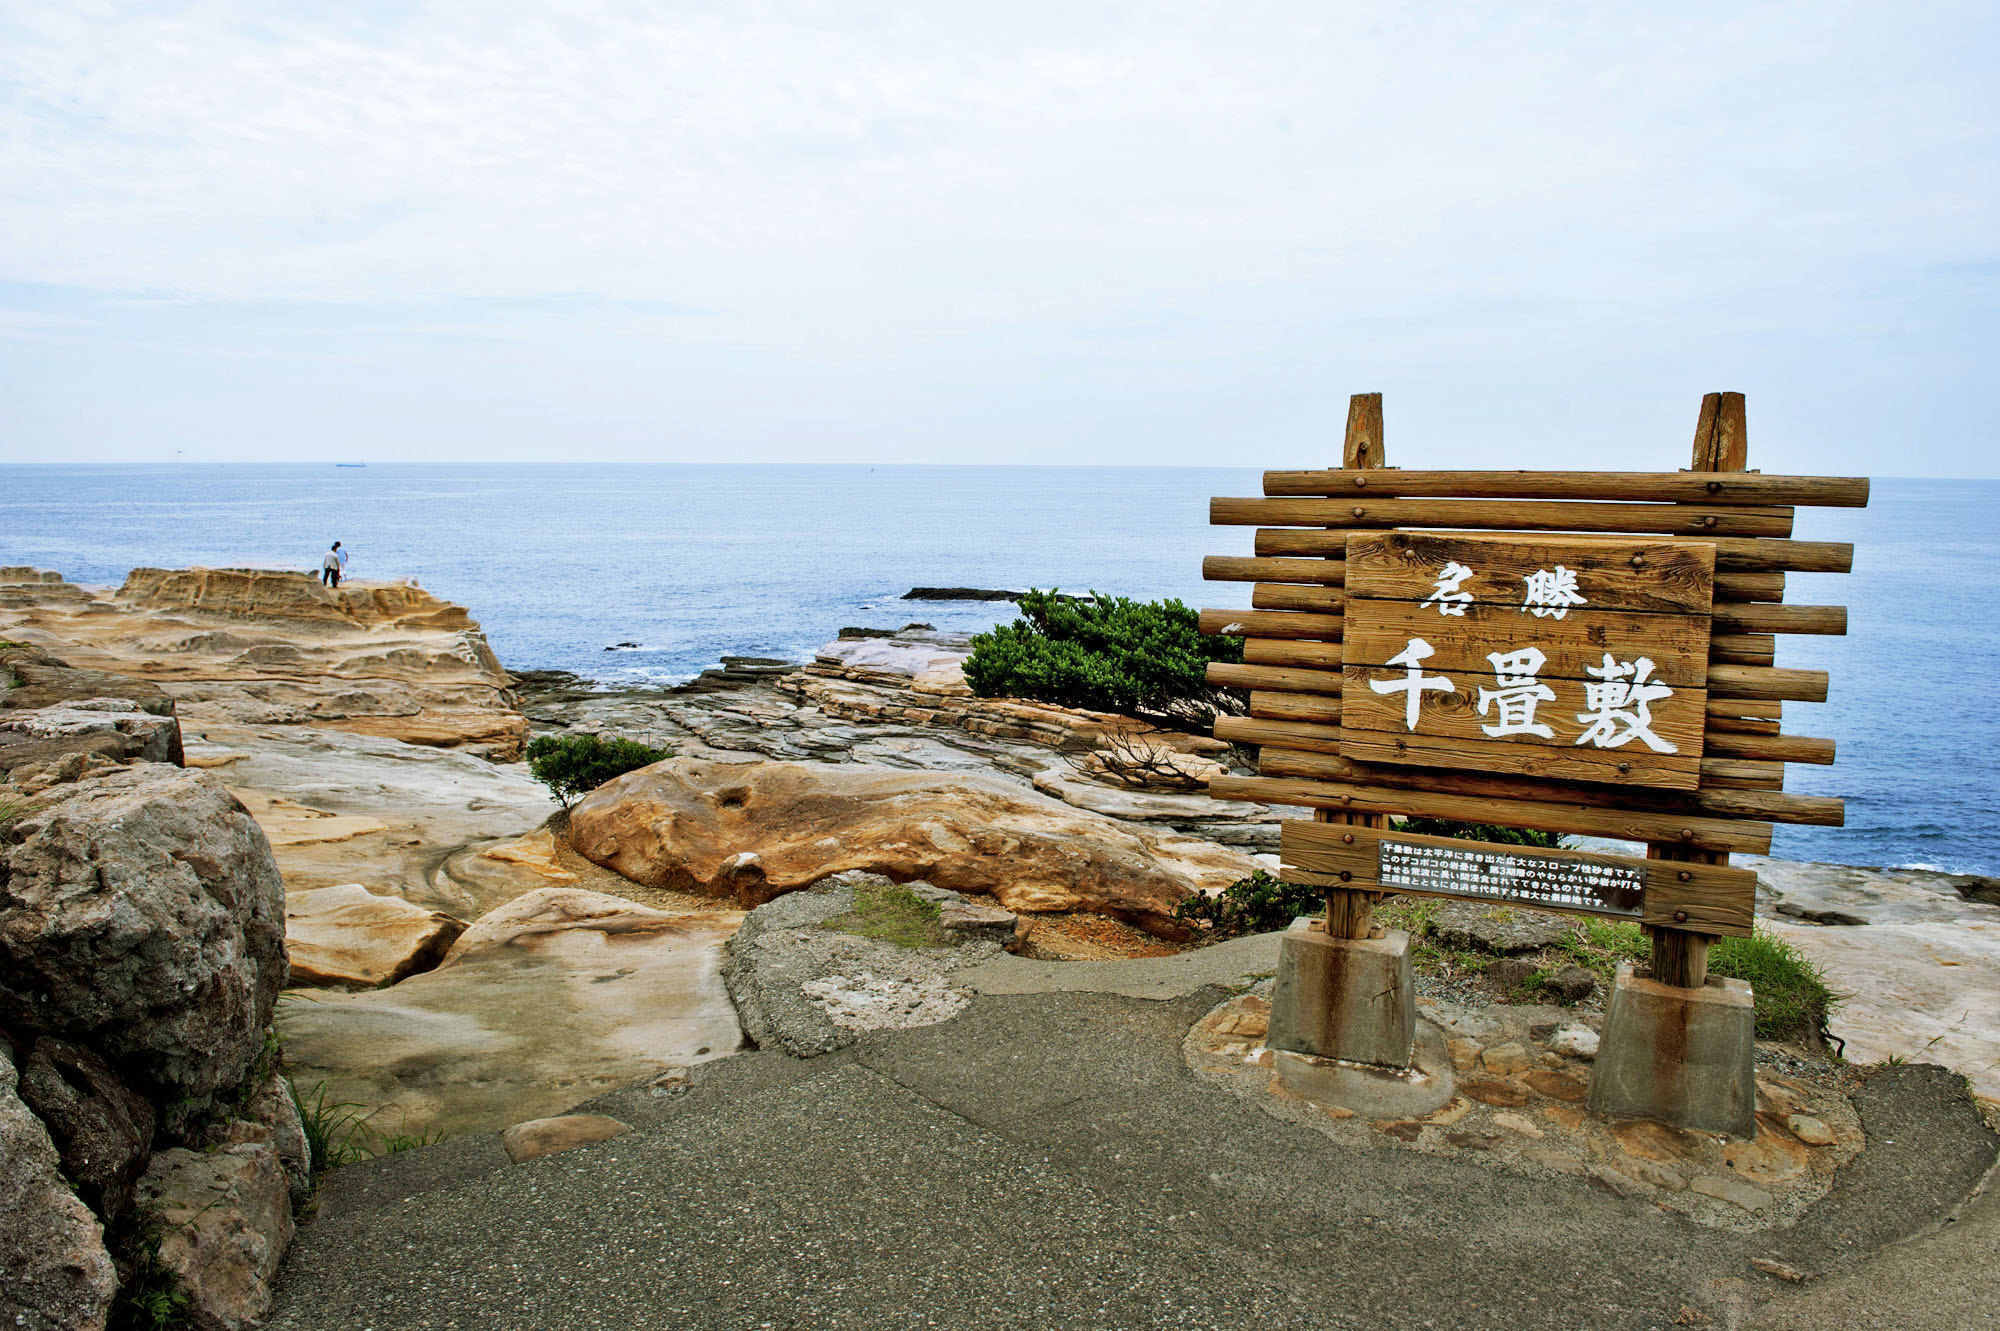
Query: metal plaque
[{"x": 1522, "y": 877}]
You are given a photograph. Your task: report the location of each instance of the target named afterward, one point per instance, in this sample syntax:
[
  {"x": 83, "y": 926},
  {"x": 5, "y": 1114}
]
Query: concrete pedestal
[
  {"x": 1680, "y": 1056},
  {"x": 1344, "y": 998}
]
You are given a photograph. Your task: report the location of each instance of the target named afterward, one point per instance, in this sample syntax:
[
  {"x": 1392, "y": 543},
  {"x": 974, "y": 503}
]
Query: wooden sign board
[
  {"x": 1708, "y": 898},
  {"x": 1583, "y": 658},
  {"x": 1587, "y": 653}
]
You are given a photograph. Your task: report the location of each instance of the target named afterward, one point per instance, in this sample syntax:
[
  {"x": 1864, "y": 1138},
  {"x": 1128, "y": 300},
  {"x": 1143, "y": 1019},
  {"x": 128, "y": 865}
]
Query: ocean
[{"x": 561, "y": 564}]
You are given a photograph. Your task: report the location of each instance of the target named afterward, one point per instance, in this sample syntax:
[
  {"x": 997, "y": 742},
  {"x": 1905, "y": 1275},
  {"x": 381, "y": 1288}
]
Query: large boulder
[
  {"x": 753, "y": 831},
  {"x": 224, "y": 1218},
  {"x": 141, "y": 915},
  {"x": 55, "y": 1274},
  {"x": 347, "y": 935}
]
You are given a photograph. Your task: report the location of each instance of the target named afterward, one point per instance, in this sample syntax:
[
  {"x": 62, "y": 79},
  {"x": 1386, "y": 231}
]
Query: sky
[{"x": 1149, "y": 233}]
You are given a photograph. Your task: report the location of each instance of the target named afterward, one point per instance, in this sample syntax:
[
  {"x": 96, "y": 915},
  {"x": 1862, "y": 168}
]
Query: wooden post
[
  {"x": 1721, "y": 443},
  {"x": 1352, "y": 914}
]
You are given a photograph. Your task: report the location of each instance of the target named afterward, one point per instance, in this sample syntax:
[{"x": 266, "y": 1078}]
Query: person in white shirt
[{"x": 331, "y": 566}]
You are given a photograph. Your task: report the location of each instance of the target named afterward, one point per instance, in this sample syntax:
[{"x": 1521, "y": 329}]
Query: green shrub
[
  {"x": 1253, "y": 905},
  {"x": 1506, "y": 836},
  {"x": 574, "y": 765},
  {"x": 1793, "y": 1001},
  {"x": 1106, "y": 653}
]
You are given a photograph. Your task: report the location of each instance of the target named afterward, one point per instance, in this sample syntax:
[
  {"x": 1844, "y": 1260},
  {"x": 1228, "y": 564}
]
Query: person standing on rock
[{"x": 332, "y": 565}]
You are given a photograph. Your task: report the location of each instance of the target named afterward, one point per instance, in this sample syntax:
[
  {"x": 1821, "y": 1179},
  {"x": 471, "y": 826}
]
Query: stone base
[
  {"x": 1679, "y": 1056},
  {"x": 1370, "y": 1090},
  {"x": 1344, "y": 998}
]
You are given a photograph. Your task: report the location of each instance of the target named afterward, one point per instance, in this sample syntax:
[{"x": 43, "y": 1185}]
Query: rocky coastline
[{"x": 334, "y": 780}]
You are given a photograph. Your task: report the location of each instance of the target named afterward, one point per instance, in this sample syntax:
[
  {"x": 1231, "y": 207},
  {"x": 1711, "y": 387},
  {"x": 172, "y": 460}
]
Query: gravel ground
[{"x": 1047, "y": 1160}]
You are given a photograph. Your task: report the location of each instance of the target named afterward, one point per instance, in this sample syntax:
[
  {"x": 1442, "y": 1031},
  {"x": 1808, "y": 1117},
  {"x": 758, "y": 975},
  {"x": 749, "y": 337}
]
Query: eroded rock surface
[
  {"x": 686, "y": 824},
  {"x": 553, "y": 998},
  {"x": 347, "y": 935}
]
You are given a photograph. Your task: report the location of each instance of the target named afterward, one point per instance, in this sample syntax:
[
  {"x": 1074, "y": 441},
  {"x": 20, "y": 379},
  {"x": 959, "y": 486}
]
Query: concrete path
[{"x": 1046, "y": 1160}]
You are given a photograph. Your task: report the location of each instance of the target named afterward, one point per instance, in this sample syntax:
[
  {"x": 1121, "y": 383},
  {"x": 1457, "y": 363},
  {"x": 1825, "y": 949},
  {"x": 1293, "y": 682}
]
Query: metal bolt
[
  {"x": 1361, "y": 482},
  {"x": 1715, "y": 487},
  {"x": 1680, "y": 917},
  {"x": 1624, "y": 768},
  {"x": 1687, "y": 834},
  {"x": 1349, "y": 799},
  {"x": 1686, "y": 876},
  {"x": 1638, "y": 561},
  {"x": 1708, "y": 521},
  {"x": 1346, "y": 877},
  {"x": 1347, "y": 837},
  {"x": 1360, "y": 512}
]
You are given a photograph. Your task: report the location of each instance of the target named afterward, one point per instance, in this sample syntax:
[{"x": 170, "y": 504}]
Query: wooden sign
[
  {"x": 1542, "y": 656},
  {"x": 1574, "y": 652}
]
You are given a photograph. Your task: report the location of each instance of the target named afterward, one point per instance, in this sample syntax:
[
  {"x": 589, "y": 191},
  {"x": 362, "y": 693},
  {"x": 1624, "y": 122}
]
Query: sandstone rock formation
[
  {"x": 262, "y": 647},
  {"x": 54, "y": 1271},
  {"x": 347, "y": 935},
  {"x": 748, "y": 832},
  {"x": 141, "y": 915},
  {"x": 102, "y": 1127},
  {"x": 558, "y": 996}
]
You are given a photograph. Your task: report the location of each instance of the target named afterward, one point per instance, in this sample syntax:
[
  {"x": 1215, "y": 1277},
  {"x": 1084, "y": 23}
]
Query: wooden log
[
  {"x": 1741, "y": 682},
  {"x": 1351, "y": 914},
  {"x": 1741, "y": 773},
  {"x": 1732, "y": 554},
  {"x": 1310, "y": 707},
  {"x": 1761, "y": 618},
  {"x": 1270, "y": 624},
  {"x": 1274, "y": 678},
  {"x": 1749, "y": 586},
  {"x": 1740, "y": 725},
  {"x": 1774, "y": 748},
  {"x": 1720, "y": 899},
  {"x": 1504, "y": 515},
  {"x": 1762, "y": 709},
  {"x": 1295, "y": 652},
  {"x": 1283, "y": 596},
  {"x": 1773, "y": 806},
  {"x": 1578, "y": 819},
  {"x": 1649, "y": 487},
  {"x": 1721, "y": 438},
  {"x": 1235, "y": 568},
  {"x": 1752, "y": 649},
  {"x": 1313, "y": 737}
]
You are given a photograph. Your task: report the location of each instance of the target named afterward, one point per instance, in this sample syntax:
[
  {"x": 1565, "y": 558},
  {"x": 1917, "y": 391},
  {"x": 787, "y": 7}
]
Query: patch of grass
[
  {"x": 151, "y": 1299},
  {"x": 331, "y": 1127},
  {"x": 892, "y": 913},
  {"x": 1793, "y": 1001}
]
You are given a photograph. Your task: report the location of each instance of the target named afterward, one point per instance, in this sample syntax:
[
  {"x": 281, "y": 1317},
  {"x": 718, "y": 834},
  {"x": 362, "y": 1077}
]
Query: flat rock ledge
[{"x": 810, "y": 990}]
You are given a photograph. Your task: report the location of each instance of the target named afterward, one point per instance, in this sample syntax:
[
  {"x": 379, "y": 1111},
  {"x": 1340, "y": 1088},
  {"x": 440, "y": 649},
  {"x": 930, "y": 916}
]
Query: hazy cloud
[{"x": 1110, "y": 232}]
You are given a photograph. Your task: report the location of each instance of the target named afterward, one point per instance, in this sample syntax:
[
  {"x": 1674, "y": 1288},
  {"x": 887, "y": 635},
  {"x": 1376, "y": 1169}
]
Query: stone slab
[
  {"x": 1346, "y": 998},
  {"x": 1678, "y": 1056}
]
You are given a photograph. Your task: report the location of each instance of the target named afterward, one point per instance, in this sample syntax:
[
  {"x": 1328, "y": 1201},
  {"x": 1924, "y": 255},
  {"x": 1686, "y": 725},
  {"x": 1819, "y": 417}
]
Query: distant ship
[{"x": 350, "y": 464}]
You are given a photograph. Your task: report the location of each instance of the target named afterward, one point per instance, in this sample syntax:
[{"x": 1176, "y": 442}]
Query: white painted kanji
[
  {"x": 1621, "y": 705},
  {"x": 1448, "y": 598},
  {"x": 1520, "y": 690},
  {"x": 1551, "y": 592},
  {"x": 1414, "y": 683}
]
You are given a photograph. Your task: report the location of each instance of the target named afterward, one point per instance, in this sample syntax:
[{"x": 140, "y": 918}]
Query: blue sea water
[{"x": 692, "y": 562}]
